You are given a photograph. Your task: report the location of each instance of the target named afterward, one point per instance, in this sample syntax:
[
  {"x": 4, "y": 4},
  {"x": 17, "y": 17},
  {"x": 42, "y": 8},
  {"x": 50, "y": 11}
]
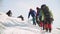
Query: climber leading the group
[{"x": 33, "y": 14}]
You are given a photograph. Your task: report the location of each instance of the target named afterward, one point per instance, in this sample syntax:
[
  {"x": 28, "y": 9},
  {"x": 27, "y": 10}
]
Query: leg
[
  {"x": 50, "y": 27},
  {"x": 47, "y": 27},
  {"x": 44, "y": 24},
  {"x": 41, "y": 23},
  {"x": 37, "y": 21},
  {"x": 34, "y": 23}
]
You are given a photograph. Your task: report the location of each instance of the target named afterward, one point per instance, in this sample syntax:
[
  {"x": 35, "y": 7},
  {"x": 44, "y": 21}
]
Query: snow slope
[{"x": 11, "y": 25}]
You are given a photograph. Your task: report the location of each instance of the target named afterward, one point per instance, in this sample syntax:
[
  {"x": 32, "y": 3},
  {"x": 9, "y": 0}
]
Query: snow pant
[
  {"x": 41, "y": 22},
  {"x": 37, "y": 18},
  {"x": 47, "y": 27},
  {"x": 47, "y": 24},
  {"x": 34, "y": 21}
]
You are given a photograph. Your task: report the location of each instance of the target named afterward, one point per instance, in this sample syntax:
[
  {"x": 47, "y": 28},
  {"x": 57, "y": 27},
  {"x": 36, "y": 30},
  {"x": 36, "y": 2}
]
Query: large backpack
[{"x": 47, "y": 14}]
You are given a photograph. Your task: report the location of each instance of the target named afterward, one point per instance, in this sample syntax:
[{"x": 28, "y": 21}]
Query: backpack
[
  {"x": 49, "y": 15},
  {"x": 46, "y": 14}
]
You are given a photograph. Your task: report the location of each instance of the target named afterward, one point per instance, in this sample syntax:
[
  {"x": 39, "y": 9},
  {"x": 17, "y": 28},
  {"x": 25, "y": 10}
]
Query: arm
[
  {"x": 29, "y": 15},
  {"x": 51, "y": 14},
  {"x": 42, "y": 16}
]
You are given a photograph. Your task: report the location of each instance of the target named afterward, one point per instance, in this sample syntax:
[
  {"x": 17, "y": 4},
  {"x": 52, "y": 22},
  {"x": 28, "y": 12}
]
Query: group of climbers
[{"x": 43, "y": 17}]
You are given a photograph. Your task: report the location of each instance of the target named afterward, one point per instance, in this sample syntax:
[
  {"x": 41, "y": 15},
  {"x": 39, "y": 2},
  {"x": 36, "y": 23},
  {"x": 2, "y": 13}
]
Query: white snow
[{"x": 11, "y": 25}]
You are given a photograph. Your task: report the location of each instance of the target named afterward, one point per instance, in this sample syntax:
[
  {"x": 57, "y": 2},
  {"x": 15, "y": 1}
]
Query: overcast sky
[{"x": 19, "y": 7}]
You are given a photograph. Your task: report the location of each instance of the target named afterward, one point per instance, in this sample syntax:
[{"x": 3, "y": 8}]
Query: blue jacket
[{"x": 32, "y": 13}]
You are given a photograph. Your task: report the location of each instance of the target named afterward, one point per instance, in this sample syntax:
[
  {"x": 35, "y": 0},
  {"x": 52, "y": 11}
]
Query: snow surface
[{"x": 11, "y": 25}]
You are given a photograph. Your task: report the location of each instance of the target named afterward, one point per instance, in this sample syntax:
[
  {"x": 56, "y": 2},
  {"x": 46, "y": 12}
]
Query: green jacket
[{"x": 43, "y": 15}]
